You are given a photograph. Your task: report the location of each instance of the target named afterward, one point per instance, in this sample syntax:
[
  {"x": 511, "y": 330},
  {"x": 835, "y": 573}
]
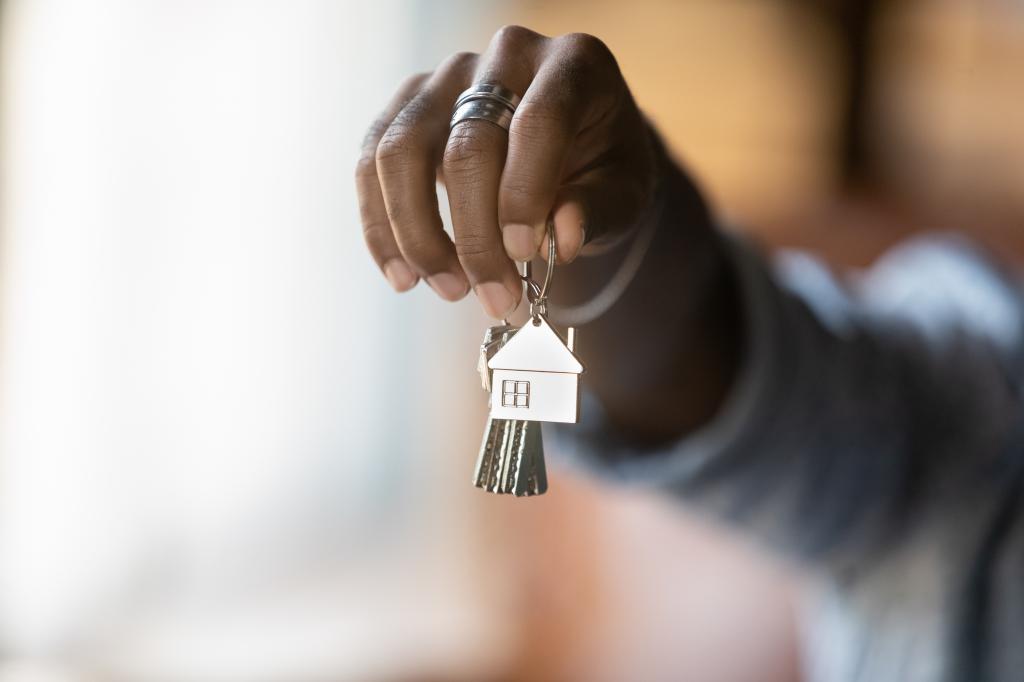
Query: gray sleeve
[{"x": 865, "y": 411}]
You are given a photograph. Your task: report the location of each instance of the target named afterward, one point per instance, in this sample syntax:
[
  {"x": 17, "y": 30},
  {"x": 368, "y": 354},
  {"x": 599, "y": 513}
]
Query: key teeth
[
  {"x": 532, "y": 478},
  {"x": 511, "y": 459},
  {"x": 489, "y": 462}
]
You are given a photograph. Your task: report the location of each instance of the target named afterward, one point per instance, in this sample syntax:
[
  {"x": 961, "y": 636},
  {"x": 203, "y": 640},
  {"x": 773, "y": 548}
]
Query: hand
[{"x": 578, "y": 150}]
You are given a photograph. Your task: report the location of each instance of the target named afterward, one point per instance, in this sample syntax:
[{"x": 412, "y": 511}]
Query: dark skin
[{"x": 580, "y": 153}]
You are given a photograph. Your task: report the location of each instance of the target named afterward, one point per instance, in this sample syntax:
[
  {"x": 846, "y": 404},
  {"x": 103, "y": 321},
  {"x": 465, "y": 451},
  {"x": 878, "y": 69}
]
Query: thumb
[{"x": 597, "y": 212}]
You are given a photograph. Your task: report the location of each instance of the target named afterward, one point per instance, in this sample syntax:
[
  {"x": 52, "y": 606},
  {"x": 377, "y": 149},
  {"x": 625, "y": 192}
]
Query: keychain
[{"x": 532, "y": 375}]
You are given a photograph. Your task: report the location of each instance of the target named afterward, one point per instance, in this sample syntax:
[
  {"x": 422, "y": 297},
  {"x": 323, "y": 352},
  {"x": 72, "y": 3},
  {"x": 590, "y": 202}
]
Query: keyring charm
[{"x": 532, "y": 375}]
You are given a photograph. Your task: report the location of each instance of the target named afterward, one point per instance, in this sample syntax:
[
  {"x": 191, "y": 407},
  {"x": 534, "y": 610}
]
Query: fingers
[
  {"x": 473, "y": 162},
  {"x": 406, "y": 160},
  {"x": 570, "y": 221},
  {"x": 503, "y": 187},
  {"x": 372, "y": 212},
  {"x": 576, "y": 86},
  {"x": 596, "y": 203}
]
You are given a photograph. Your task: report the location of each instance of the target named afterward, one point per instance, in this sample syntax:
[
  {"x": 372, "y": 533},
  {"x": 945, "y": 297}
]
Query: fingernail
[
  {"x": 496, "y": 299},
  {"x": 520, "y": 241},
  {"x": 400, "y": 277},
  {"x": 448, "y": 286}
]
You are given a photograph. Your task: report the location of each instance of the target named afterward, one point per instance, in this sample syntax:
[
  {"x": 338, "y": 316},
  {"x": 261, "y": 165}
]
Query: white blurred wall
[
  {"x": 228, "y": 453},
  {"x": 215, "y": 446}
]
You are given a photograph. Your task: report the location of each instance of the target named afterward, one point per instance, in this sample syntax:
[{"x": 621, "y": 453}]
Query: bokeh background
[{"x": 228, "y": 453}]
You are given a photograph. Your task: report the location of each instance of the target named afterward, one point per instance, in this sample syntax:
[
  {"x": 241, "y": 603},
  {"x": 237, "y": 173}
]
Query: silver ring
[
  {"x": 486, "y": 102},
  {"x": 489, "y": 91}
]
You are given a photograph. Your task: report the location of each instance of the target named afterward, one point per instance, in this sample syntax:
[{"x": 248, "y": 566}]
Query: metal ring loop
[
  {"x": 537, "y": 294},
  {"x": 532, "y": 291},
  {"x": 552, "y": 257}
]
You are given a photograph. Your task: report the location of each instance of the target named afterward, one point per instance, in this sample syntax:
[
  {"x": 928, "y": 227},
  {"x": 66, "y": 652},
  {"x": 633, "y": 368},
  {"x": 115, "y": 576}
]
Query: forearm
[
  {"x": 891, "y": 419},
  {"x": 663, "y": 357}
]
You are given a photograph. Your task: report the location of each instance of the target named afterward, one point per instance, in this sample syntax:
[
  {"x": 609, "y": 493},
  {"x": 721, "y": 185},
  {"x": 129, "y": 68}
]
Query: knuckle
[
  {"x": 407, "y": 141},
  {"x": 512, "y": 35},
  {"x": 466, "y": 153},
  {"x": 413, "y": 82},
  {"x": 587, "y": 67},
  {"x": 422, "y": 253},
  {"x": 415, "y": 111},
  {"x": 375, "y": 232},
  {"x": 586, "y": 59},
  {"x": 587, "y": 47},
  {"x": 376, "y": 129},
  {"x": 396, "y": 150},
  {"x": 460, "y": 62},
  {"x": 371, "y": 140},
  {"x": 366, "y": 166},
  {"x": 374, "y": 133},
  {"x": 473, "y": 247}
]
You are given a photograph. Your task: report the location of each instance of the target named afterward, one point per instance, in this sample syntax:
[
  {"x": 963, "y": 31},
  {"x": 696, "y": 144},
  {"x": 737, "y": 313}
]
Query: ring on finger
[{"x": 486, "y": 102}]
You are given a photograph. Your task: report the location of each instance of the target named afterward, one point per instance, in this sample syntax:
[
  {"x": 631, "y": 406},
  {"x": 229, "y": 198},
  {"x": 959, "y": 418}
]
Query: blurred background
[{"x": 229, "y": 453}]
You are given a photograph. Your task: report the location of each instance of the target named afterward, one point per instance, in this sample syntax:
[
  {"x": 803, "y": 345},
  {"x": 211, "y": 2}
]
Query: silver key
[
  {"x": 494, "y": 339},
  {"x": 532, "y": 374},
  {"x": 511, "y": 460}
]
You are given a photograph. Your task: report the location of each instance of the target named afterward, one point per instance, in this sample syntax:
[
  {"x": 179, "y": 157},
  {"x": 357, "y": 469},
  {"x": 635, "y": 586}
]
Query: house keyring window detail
[
  {"x": 515, "y": 393},
  {"x": 536, "y": 376}
]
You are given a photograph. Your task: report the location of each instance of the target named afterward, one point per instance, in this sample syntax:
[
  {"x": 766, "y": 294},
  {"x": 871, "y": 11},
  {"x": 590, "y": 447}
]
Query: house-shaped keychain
[{"x": 536, "y": 376}]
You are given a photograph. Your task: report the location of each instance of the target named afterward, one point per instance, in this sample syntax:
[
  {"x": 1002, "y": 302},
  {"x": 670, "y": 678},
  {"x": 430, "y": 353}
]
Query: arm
[
  {"x": 866, "y": 417},
  {"x": 709, "y": 379},
  {"x": 663, "y": 357}
]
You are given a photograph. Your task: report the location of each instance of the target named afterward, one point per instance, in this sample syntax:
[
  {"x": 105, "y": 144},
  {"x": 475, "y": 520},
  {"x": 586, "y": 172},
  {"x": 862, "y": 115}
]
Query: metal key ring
[
  {"x": 532, "y": 290},
  {"x": 537, "y": 294}
]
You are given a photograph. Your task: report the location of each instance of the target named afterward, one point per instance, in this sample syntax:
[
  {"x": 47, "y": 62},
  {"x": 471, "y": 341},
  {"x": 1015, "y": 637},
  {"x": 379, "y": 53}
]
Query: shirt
[{"x": 875, "y": 434}]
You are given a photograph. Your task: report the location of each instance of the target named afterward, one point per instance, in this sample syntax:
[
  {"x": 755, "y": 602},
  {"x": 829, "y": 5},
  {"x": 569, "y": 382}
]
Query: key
[
  {"x": 539, "y": 376},
  {"x": 494, "y": 338},
  {"x": 532, "y": 375},
  {"x": 511, "y": 460}
]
